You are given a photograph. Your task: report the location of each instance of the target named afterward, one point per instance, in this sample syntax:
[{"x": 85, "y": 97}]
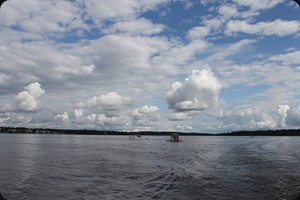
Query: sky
[{"x": 150, "y": 65}]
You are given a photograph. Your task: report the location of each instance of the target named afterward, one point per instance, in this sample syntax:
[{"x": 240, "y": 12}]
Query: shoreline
[{"x": 23, "y": 130}]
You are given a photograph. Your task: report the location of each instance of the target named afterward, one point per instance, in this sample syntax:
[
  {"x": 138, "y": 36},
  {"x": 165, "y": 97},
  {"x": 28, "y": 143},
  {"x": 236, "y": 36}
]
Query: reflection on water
[{"x": 115, "y": 167}]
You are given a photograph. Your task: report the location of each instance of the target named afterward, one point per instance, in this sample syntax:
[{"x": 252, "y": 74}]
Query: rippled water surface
[{"x": 43, "y": 167}]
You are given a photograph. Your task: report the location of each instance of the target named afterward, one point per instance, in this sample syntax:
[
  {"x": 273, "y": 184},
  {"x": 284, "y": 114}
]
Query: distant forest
[{"x": 23, "y": 130}]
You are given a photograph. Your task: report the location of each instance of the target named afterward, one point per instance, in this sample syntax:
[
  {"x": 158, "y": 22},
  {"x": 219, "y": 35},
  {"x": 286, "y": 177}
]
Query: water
[{"x": 43, "y": 167}]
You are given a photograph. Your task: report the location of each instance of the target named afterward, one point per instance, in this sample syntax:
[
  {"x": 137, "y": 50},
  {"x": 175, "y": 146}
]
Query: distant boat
[
  {"x": 174, "y": 137},
  {"x": 134, "y": 135}
]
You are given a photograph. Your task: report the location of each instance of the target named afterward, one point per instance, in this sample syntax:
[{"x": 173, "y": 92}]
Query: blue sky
[{"x": 193, "y": 66}]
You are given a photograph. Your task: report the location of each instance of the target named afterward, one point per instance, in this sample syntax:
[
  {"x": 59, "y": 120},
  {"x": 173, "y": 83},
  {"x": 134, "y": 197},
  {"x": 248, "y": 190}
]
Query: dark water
[{"x": 43, "y": 167}]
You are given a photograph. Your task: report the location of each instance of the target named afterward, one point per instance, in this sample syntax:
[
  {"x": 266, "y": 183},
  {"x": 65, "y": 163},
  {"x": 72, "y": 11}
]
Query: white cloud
[
  {"x": 28, "y": 99},
  {"x": 282, "y": 110},
  {"x": 140, "y": 26},
  {"x": 121, "y": 56},
  {"x": 232, "y": 49},
  {"x": 146, "y": 114},
  {"x": 150, "y": 4},
  {"x": 183, "y": 53},
  {"x": 291, "y": 58},
  {"x": 126, "y": 9},
  {"x": 13, "y": 119},
  {"x": 293, "y": 116},
  {"x": 109, "y": 101},
  {"x": 43, "y": 17},
  {"x": 251, "y": 117},
  {"x": 14, "y": 11},
  {"x": 87, "y": 69},
  {"x": 179, "y": 116},
  {"x": 278, "y": 27},
  {"x": 103, "y": 120},
  {"x": 78, "y": 113},
  {"x": 145, "y": 110},
  {"x": 258, "y": 4},
  {"x": 228, "y": 10},
  {"x": 35, "y": 90},
  {"x": 45, "y": 60},
  {"x": 198, "y": 92},
  {"x": 145, "y": 118},
  {"x": 184, "y": 128},
  {"x": 106, "y": 9},
  {"x": 198, "y": 32},
  {"x": 91, "y": 118},
  {"x": 215, "y": 23},
  {"x": 63, "y": 117},
  {"x": 80, "y": 50},
  {"x": 265, "y": 121}
]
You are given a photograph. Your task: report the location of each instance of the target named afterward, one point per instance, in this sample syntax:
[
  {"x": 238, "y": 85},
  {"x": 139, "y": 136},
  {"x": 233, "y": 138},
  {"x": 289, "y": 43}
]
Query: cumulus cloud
[
  {"x": 14, "y": 119},
  {"x": 265, "y": 121},
  {"x": 35, "y": 90},
  {"x": 179, "y": 116},
  {"x": 149, "y": 113},
  {"x": 145, "y": 110},
  {"x": 144, "y": 118},
  {"x": 293, "y": 116},
  {"x": 254, "y": 117},
  {"x": 91, "y": 118},
  {"x": 282, "y": 110},
  {"x": 104, "y": 111},
  {"x": 106, "y": 121},
  {"x": 63, "y": 117},
  {"x": 27, "y": 100},
  {"x": 109, "y": 101},
  {"x": 78, "y": 113},
  {"x": 198, "y": 92},
  {"x": 278, "y": 27}
]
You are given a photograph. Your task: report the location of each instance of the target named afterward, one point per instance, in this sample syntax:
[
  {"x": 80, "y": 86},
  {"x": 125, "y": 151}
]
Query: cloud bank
[{"x": 206, "y": 66}]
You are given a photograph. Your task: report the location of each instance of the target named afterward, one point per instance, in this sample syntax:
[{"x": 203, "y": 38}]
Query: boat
[
  {"x": 134, "y": 135},
  {"x": 174, "y": 137}
]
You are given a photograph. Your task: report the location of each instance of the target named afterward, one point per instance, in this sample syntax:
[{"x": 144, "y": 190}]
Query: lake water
[{"x": 43, "y": 167}]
